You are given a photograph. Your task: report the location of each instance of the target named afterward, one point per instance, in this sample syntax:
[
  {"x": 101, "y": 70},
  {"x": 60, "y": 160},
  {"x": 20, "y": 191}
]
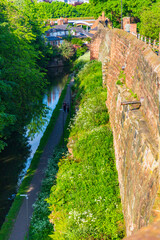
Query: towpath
[{"x": 22, "y": 222}]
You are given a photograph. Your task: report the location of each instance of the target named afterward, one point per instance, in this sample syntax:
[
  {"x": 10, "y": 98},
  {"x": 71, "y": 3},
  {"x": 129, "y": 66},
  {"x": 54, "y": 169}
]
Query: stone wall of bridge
[{"x": 131, "y": 72}]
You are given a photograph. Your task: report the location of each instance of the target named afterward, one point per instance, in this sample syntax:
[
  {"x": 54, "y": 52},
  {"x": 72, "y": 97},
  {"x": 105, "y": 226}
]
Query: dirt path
[{"x": 21, "y": 225}]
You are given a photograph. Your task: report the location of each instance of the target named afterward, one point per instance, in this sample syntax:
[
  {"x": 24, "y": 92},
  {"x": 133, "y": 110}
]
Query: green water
[{"x": 16, "y": 157}]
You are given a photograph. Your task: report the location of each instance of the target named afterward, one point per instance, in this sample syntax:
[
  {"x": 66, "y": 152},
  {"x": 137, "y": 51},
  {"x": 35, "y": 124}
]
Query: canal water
[{"x": 16, "y": 158}]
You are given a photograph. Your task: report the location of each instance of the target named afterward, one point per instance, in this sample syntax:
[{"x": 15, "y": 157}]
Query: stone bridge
[
  {"x": 131, "y": 73},
  {"x": 81, "y": 22}
]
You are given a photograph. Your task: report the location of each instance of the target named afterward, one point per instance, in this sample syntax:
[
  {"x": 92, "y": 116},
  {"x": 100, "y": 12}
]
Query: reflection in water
[
  {"x": 11, "y": 162},
  {"x": 16, "y": 158},
  {"x": 50, "y": 100}
]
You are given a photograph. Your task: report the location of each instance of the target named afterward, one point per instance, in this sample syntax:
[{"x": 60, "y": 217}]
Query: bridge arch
[{"x": 83, "y": 23}]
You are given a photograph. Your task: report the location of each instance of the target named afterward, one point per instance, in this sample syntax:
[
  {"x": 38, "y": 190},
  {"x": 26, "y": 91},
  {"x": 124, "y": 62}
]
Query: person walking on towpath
[
  {"x": 64, "y": 106},
  {"x": 21, "y": 225},
  {"x": 67, "y": 108}
]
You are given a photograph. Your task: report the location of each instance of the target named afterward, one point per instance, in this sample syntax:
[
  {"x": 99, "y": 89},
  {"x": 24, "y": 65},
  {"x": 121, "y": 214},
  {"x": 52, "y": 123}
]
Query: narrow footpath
[{"x": 21, "y": 226}]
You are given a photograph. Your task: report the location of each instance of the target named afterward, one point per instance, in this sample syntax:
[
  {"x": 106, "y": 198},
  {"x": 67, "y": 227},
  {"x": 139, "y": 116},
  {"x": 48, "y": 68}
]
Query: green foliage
[
  {"x": 131, "y": 8},
  {"x": 85, "y": 58},
  {"x": 134, "y": 95},
  {"x": 138, "y": 9},
  {"x": 61, "y": 9},
  {"x": 119, "y": 83},
  {"x": 85, "y": 203},
  {"x": 67, "y": 50},
  {"x": 121, "y": 78},
  {"x": 77, "y": 41},
  {"x": 88, "y": 39},
  {"x": 150, "y": 22},
  {"x": 81, "y": 51},
  {"x": 80, "y": 62},
  {"x": 23, "y": 54}
]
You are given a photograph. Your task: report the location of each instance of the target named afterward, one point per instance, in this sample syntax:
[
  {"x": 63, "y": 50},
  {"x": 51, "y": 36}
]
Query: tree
[
  {"x": 67, "y": 49},
  {"x": 22, "y": 55},
  {"x": 150, "y": 22}
]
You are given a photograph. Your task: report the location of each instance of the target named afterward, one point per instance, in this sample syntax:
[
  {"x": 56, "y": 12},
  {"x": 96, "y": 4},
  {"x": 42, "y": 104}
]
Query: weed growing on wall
[{"x": 85, "y": 202}]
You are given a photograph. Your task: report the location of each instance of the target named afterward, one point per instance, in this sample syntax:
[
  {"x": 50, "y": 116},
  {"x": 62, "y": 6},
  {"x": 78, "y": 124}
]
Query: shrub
[
  {"x": 77, "y": 41},
  {"x": 81, "y": 51}
]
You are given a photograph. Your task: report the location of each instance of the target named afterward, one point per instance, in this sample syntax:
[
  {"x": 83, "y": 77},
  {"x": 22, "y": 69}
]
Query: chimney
[
  {"x": 103, "y": 16},
  {"x": 60, "y": 21},
  {"x": 65, "y": 20},
  {"x": 126, "y": 20},
  {"x": 133, "y": 28},
  {"x": 52, "y": 22}
]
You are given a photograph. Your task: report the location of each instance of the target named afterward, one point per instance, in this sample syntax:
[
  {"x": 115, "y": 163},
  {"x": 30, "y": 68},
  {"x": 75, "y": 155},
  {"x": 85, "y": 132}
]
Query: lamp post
[
  {"x": 121, "y": 16},
  {"x": 26, "y": 196}
]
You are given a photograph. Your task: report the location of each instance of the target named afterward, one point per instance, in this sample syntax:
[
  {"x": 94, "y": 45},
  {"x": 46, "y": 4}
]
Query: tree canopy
[
  {"x": 137, "y": 9},
  {"x": 61, "y": 9},
  {"x": 150, "y": 21},
  {"x": 22, "y": 56}
]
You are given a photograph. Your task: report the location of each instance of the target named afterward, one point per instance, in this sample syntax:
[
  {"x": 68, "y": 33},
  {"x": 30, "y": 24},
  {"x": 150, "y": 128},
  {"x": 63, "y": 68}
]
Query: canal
[{"x": 16, "y": 157}]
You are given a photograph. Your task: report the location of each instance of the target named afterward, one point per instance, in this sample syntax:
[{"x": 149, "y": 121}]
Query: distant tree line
[
  {"x": 61, "y": 9},
  {"x": 146, "y": 13}
]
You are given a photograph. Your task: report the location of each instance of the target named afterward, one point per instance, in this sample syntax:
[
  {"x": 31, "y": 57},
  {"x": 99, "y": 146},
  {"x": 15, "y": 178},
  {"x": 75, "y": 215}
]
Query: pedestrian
[
  {"x": 64, "y": 106},
  {"x": 67, "y": 108}
]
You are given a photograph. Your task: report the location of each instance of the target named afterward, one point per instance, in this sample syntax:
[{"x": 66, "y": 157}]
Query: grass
[{"x": 9, "y": 221}]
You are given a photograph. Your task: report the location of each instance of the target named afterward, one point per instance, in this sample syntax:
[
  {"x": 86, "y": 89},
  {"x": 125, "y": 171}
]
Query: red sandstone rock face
[
  {"x": 135, "y": 131},
  {"x": 148, "y": 233}
]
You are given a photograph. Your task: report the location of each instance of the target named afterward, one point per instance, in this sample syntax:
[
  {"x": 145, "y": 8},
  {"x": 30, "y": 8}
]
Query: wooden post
[
  {"x": 149, "y": 42},
  {"x": 142, "y": 37},
  {"x": 145, "y": 39}
]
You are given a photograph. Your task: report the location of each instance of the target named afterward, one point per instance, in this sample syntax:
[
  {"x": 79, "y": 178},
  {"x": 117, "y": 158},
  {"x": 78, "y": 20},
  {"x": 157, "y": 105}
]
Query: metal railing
[{"x": 153, "y": 43}]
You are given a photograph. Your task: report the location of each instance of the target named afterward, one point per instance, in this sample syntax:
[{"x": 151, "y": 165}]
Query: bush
[
  {"x": 77, "y": 41},
  {"x": 81, "y": 51}
]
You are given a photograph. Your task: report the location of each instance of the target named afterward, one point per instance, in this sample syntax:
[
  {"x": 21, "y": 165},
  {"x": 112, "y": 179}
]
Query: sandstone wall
[{"x": 129, "y": 61}]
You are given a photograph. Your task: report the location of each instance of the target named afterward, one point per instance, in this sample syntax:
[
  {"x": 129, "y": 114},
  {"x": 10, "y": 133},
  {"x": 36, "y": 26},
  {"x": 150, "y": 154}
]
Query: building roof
[
  {"x": 95, "y": 29},
  {"x": 51, "y": 38},
  {"x": 66, "y": 27}
]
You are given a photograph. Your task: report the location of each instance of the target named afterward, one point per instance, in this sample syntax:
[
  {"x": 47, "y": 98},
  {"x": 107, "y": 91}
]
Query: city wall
[{"x": 131, "y": 73}]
